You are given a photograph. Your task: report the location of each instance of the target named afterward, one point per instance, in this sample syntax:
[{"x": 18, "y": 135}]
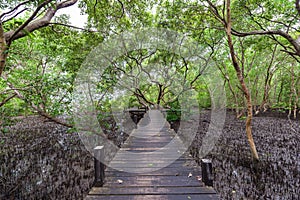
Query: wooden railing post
[
  {"x": 99, "y": 166},
  {"x": 207, "y": 177}
]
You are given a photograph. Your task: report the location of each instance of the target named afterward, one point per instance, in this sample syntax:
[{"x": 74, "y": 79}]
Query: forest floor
[
  {"x": 237, "y": 175},
  {"x": 42, "y": 160}
]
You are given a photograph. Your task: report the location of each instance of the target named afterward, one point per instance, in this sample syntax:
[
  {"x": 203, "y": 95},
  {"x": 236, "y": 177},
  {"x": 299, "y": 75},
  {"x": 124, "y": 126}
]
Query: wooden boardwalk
[{"x": 152, "y": 165}]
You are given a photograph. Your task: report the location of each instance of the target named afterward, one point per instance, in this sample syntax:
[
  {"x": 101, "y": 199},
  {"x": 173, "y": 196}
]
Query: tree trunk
[
  {"x": 293, "y": 95},
  {"x": 242, "y": 82},
  {"x": 235, "y": 98},
  {"x": 3, "y": 49},
  {"x": 297, "y": 95},
  {"x": 267, "y": 86},
  {"x": 280, "y": 89},
  {"x": 160, "y": 92}
]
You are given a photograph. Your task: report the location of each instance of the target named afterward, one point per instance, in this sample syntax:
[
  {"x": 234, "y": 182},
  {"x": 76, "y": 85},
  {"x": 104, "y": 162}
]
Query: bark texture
[
  {"x": 240, "y": 76},
  {"x": 3, "y": 49}
]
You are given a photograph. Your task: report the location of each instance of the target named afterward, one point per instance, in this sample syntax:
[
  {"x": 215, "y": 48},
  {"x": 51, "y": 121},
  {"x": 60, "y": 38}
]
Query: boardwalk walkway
[{"x": 151, "y": 165}]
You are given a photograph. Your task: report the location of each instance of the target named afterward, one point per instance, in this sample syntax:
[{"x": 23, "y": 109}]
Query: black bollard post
[
  {"x": 206, "y": 166},
  {"x": 99, "y": 166}
]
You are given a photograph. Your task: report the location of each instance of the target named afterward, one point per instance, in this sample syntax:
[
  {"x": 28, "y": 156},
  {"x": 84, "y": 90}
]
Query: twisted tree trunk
[{"x": 240, "y": 76}]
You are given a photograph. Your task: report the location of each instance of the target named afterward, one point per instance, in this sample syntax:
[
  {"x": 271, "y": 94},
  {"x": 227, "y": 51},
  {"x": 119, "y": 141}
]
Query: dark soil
[
  {"x": 42, "y": 160},
  {"x": 237, "y": 175}
]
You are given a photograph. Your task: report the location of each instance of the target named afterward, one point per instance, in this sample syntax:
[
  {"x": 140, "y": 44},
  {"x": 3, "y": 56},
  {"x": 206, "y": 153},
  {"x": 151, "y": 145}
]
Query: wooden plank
[
  {"x": 136, "y": 163},
  {"x": 144, "y": 156},
  {"x": 153, "y": 181},
  {"x": 155, "y": 197},
  {"x": 148, "y": 141},
  {"x": 151, "y": 164},
  {"x": 170, "y": 146},
  {"x": 151, "y": 171},
  {"x": 169, "y": 172},
  {"x": 133, "y": 160},
  {"x": 167, "y": 151},
  {"x": 126, "y": 162},
  {"x": 151, "y": 190},
  {"x": 158, "y": 139},
  {"x": 149, "y": 155},
  {"x": 170, "y": 151},
  {"x": 148, "y": 137},
  {"x": 155, "y": 167},
  {"x": 150, "y": 145}
]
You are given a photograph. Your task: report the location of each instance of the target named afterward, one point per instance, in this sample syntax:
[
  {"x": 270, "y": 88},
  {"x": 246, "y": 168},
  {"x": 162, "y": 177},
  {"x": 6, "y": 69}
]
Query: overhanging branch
[
  {"x": 281, "y": 33},
  {"x": 31, "y": 25},
  {"x": 14, "y": 9},
  {"x": 7, "y": 99},
  {"x": 28, "y": 20},
  {"x": 270, "y": 32},
  {"x": 74, "y": 27}
]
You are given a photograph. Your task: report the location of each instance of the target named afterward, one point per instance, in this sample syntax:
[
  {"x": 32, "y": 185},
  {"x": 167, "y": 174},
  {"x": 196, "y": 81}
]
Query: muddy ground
[
  {"x": 43, "y": 160},
  {"x": 238, "y": 176}
]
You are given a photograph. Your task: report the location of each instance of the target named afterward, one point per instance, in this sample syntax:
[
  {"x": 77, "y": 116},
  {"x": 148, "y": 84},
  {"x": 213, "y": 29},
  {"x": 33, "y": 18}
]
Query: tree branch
[
  {"x": 270, "y": 32},
  {"x": 10, "y": 18},
  {"x": 31, "y": 25},
  {"x": 7, "y": 99},
  {"x": 215, "y": 11},
  {"x": 14, "y": 9},
  {"x": 75, "y": 27},
  {"x": 40, "y": 111},
  {"x": 28, "y": 20},
  {"x": 122, "y": 7},
  {"x": 285, "y": 35}
]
